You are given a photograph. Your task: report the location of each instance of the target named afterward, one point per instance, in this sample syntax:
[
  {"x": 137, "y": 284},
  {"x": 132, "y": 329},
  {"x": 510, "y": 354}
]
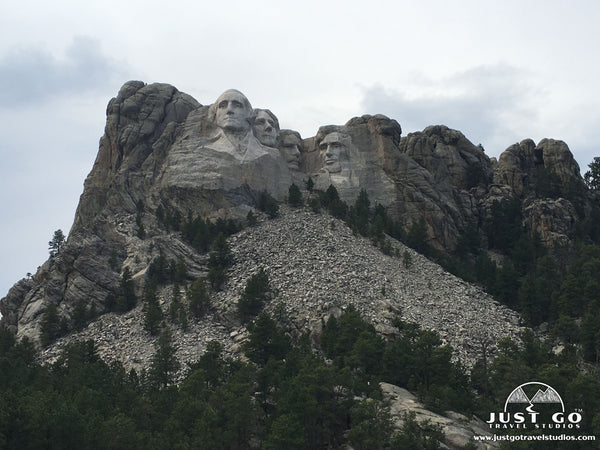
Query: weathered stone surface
[
  {"x": 449, "y": 156},
  {"x": 458, "y": 429},
  {"x": 139, "y": 122},
  {"x": 162, "y": 148},
  {"x": 553, "y": 220},
  {"x": 519, "y": 166}
]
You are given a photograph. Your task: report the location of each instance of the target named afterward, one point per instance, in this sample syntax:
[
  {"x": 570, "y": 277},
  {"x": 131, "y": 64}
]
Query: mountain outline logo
[{"x": 542, "y": 396}]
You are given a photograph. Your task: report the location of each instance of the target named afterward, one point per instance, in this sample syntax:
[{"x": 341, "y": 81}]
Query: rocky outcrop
[
  {"x": 162, "y": 150},
  {"x": 449, "y": 156},
  {"x": 547, "y": 179},
  {"x": 458, "y": 429},
  {"x": 525, "y": 167},
  {"x": 140, "y": 125}
]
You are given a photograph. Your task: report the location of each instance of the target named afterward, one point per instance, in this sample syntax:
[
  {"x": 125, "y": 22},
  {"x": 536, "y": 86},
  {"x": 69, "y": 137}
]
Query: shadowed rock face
[{"x": 161, "y": 148}]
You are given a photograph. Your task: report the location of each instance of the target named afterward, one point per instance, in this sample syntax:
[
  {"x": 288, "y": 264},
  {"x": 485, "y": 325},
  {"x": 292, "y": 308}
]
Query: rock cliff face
[{"x": 163, "y": 151}]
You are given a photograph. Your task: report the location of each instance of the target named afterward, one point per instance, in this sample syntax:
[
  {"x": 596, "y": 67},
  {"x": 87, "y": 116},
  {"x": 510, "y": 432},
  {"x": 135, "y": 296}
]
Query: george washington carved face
[{"x": 232, "y": 111}]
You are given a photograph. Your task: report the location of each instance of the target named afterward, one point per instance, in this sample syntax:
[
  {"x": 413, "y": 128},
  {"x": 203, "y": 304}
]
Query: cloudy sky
[{"x": 499, "y": 71}]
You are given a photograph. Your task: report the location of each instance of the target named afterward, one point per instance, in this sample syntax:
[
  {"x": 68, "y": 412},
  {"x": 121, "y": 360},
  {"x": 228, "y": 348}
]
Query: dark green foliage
[
  {"x": 160, "y": 214},
  {"x": 288, "y": 398},
  {"x": 219, "y": 259},
  {"x": 177, "y": 311},
  {"x": 315, "y": 204},
  {"x": 468, "y": 242},
  {"x": 141, "y": 231},
  {"x": 592, "y": 176},
  {"x": 417, "y": 236},
  {"x": 54, "y": 246},
  {"x": 294, "y": 196},
  {"x": 407, "y": 259},
  {"x": 139, "y": 206},
  {"x": 153, "y": 314},
  {"x": 80, "y": 316},
  {"x": 330, "y": 200},
  {"x": 505, "y": 226},
  {"x": 113, "y": 261},
  {"x": 415, "y": 359},
  {"x": 548, "y": 184},
  {"x": 220, "y": 254},
  {"x": 266, "y": 340},
  {"x": 171, "y": 220},
  {"x": 267, "y": 204},
  {"x": 359, "y": 216},
  {"x": 590, "y": 334},
  {"x": 198, "y": 298},
  {"x": 216, "y": 276},
  {"x": 126, "y": 298},
  {"x": 251, "y": 219},
  {"x": 254, "y": 296},
  {"x": 211, "y": 366},
  {"x": 371, "y": 426},
  {"x": 159, "y": 271},
  {"x": 418, "y": 436},
  {"x": 162, "y": 271},
  {"x": 310, "y": 184},
  {"x": 51, "y": 326},
  {"x": 164, "y": 363},
  {"x": 202, "y": 233},
  {"x": 475, "y": 175}
]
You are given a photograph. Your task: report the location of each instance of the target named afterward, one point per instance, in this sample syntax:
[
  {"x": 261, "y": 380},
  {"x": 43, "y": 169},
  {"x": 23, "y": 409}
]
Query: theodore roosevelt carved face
[{"x": 291, "y": 145}]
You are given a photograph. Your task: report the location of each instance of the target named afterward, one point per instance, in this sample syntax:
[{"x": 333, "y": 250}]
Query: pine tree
[
  {"x": 294, "y": 196},
  {"x": 164, "y": 363},
  {"x": 153, "y": 315},
  {"x": 198, "y": 298},
  {"x": 126, "y": 300},
  {"x": 50, "y": 325},
  {"x": 56, "y": 243},
  {"x": 177, "y": 312},
  {"x": 254, "y": 295},
  {"x": 592, "y": 176}
]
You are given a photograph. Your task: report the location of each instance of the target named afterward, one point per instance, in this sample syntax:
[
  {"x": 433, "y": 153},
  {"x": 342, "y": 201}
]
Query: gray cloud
[
  {"x": 31, "y": 75},
  {"x": 489, "y": 104}
]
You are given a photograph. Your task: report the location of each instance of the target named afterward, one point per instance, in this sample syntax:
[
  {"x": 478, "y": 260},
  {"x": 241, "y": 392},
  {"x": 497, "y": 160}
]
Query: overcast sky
[{"x": 499, "y": 71}]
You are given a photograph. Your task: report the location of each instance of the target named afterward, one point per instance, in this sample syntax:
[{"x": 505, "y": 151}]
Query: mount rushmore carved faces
[{"x": 266, "y": 127}]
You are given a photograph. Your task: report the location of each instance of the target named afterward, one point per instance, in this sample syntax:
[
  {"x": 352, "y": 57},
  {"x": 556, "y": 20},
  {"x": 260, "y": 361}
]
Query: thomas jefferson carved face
[
  {"x": 266, "y": 127},
  {"x": 332, "y": 149},
  {"x": 233, "y": 111}
]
